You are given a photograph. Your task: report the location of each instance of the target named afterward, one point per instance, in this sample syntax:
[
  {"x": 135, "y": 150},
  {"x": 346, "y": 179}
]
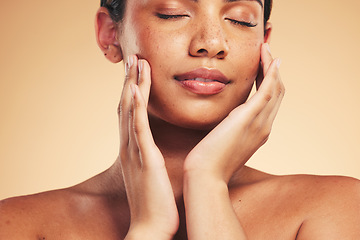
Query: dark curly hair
[{"x": 116, "y": 9}]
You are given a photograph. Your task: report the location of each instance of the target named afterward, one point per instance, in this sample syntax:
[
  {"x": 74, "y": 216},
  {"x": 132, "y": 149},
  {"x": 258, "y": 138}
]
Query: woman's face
[{"x": 204, "y": 55}]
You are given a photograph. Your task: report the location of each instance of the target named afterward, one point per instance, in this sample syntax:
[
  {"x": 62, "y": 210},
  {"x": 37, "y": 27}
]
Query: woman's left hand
[
  {"x": 212, "y": 162},
  {"x": 231, "y": 144}
]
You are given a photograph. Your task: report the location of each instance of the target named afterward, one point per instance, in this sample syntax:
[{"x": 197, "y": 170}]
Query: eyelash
[
  {"x": 166, "y": 16},
  {"x": 242, "y": 23}
]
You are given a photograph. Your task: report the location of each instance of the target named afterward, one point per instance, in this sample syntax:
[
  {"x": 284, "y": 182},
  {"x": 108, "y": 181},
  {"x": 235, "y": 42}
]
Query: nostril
[
  {"x": 221, "y": 54},
  {"x": 202, "y": 51}
]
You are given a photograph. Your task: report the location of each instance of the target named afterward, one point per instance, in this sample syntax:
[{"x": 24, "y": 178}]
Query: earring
[{"x": 106, "y": 50}]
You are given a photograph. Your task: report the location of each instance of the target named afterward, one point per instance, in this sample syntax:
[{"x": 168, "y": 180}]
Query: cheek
[
  {"x": 246, "y": 56},
  {"x": 163, "y": 51},
  {"x": 153, "y": 43}
]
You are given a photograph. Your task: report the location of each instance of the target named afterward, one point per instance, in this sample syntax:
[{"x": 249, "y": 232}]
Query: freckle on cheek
[{"x": 254, "y": 44}]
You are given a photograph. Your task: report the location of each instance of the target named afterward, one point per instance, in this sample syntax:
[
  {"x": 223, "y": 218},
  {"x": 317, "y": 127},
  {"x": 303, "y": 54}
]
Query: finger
[
  {"x": 133, "y": 147},
  {"x": 144, "y": 79},
  {"x": 142, "y": 85},
  {"x": 272, "y": 87},
  {"x": 264, "y": 122},
  {"x": 264, "y": 96},
  {"x": 265, "y": 62},
  {"x": 125, "y": 101},
  {"x": 266, "y": 57},
  {"x": 276, "y": 92},
  {"x": 280, "y": 92},
  {"x": 141, "y": 128},
  {"x": 271, "y": 77}
]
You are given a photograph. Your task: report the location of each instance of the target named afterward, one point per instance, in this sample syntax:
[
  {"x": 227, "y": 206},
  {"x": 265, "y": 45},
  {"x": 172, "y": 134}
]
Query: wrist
[
  {"x": 146, "y": 233},
  {"x": 204, "y": 176},
  {"x": 197, "y": 181}
]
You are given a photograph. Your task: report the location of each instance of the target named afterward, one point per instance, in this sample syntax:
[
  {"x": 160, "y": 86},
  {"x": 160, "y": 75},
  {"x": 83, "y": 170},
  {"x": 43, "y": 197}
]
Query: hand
[
  {"x": 230, "y": 144},
  {"x": 151, "y": 200},
  {"x": 212, "y": 162}
]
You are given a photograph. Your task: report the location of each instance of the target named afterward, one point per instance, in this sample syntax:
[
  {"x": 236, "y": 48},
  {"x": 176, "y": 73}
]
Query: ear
[
  {"x": 267, "y": 32},
  {"x": 106, "y": 36}
]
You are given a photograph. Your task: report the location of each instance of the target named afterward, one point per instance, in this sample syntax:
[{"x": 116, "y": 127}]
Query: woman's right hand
[{"x": 150, "y": 196}]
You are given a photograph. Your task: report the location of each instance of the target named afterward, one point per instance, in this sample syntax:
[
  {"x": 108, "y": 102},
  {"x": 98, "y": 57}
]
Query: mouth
[{"x": 203, "y": 81}]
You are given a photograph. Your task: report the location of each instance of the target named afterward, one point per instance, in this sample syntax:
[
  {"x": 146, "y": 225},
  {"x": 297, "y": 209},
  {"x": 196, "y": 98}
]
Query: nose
[{"x": 208, "y": 40}]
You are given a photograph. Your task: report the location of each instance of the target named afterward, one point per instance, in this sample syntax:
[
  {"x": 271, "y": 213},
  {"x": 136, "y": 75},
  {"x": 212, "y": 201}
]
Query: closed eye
[
  {"x": 242, "y": 23},
  {"x": 169, "y": 16}
]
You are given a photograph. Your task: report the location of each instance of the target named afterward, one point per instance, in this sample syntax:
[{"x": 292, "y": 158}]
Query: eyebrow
[
  {"x": 259, "y": 1},
  {"x": 229, "y": 1}
]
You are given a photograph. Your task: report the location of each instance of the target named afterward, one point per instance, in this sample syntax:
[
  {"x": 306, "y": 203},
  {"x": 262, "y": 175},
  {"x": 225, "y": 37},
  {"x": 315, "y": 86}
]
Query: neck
[{"x": 175, "y": 143}]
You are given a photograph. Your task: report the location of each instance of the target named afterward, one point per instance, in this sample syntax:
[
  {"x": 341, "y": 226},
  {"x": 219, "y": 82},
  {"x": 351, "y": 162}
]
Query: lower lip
[{"x": 203, "y": 88}]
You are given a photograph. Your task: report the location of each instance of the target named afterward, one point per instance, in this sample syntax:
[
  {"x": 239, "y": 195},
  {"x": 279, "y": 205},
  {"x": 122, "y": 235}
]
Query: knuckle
[
  {"x": 267, "y": 96},
  {"x": 137, "y": 128},
  {"x": 265, "y": 134},
  {"x": 283, "y": 90},
  {"x": 137, "y": 104},
  {"x": 131, "y": 112},
  {"x": 119, "y": 109},
  {"x": 280, "y": 90}
]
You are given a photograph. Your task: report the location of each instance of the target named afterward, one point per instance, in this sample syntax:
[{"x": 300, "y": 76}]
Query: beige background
[{"x": 58, "y": 95}]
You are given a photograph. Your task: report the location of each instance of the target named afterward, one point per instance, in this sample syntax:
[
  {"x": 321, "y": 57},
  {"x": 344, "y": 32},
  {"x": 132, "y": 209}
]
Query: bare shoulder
[
  {"x": 310, "y": 189},
  {"x": 331, "y": 207},
  {"x": 58, "y": 214},
  {"x": 320, "y": 187},
  {"x": 20, "y": 217},
  {"x": 334, "y": 196},
  {"x": 303, "y": 206},
  {"x": 323, "y": 193}
]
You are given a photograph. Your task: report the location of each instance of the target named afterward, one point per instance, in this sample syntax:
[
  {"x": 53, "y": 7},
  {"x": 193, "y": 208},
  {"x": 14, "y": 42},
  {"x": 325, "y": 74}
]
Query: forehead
[
  {"x": 228, "y": 1},
  {"x": 261, "y": 2},
  {"x": 132, "y": 5}
]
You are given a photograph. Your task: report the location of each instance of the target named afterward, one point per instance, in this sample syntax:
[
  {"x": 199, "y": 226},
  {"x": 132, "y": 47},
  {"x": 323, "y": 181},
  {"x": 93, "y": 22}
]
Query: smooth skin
[{"x": 179, "y": 176}]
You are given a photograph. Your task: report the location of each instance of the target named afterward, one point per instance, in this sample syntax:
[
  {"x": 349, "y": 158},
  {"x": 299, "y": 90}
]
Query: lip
[
  {"x": 203, "y": 81},
  {"x": 205, "y": 73}
]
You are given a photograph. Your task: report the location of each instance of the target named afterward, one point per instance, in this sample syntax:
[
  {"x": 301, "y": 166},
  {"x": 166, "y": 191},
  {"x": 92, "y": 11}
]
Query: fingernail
[
  {"x": 268, "y": 47},
  {"x": 140, "y": 65},
  {"x": 131, "y": 60},
  {"x": 128, "y": 64},
  {"x": 278, "y": 62}
]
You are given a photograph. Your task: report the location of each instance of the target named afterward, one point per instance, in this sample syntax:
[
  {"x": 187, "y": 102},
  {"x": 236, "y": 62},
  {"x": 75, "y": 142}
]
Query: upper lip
[{"x": 206, "y": 73}]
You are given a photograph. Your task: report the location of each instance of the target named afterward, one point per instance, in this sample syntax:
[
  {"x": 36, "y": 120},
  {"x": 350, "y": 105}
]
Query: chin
[
  {"x": 199, "y": 120},
  {"x": 195, "y": 112},
  {"x": 197, "y": 125},
  {"x": 203, "y": 122}
]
